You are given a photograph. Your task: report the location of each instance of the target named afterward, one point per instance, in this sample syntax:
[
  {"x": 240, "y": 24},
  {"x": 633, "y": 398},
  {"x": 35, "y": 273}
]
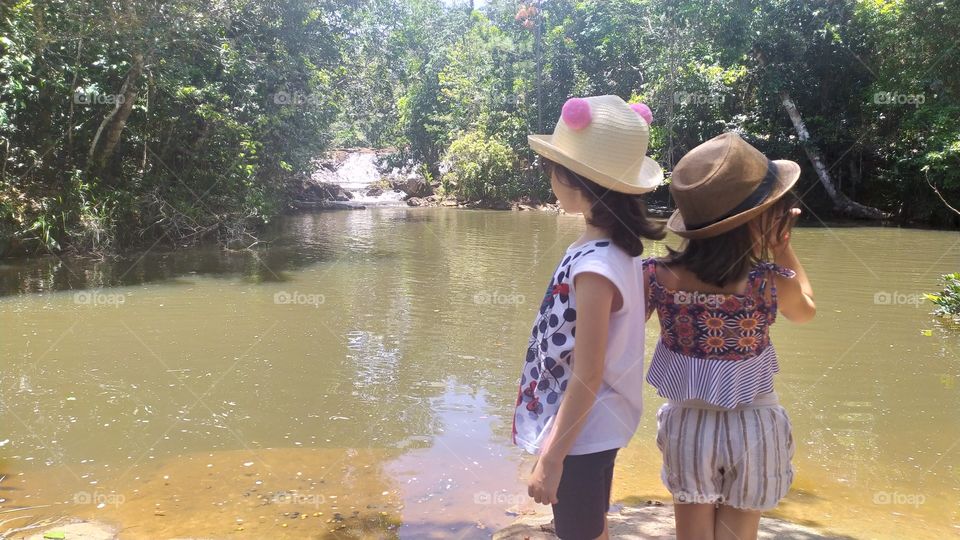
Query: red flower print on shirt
[
  {"x": 712, "y": 322},
  {"x": 713, "y": 344},
  {"x": 749, "y": 322},
  {"x": 747, "y": 342}
]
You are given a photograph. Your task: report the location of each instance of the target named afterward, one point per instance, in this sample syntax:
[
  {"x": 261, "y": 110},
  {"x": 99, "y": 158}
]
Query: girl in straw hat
[
  {"x": 726, "y": 442},
  {"x": 579, "y": 399}
]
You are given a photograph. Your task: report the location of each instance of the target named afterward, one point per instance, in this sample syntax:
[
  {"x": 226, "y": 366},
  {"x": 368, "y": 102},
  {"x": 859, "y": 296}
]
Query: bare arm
[
  {"x": 596, "y": 297},
  {"x": 794, "y": 295}
]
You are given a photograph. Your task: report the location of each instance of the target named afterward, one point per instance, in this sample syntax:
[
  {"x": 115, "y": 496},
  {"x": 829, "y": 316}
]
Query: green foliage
[
  {"x": 233, "y": 102},
  {"x": 481, "y": 169},
  {"x": 948, "y": 301}
]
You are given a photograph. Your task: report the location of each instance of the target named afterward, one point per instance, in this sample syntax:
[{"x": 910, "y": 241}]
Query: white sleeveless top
[{"x": 548, "y": 365}]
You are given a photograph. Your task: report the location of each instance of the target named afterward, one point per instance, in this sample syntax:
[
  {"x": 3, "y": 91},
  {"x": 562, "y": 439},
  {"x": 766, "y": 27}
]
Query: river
[{"x": 357, "y": 375}]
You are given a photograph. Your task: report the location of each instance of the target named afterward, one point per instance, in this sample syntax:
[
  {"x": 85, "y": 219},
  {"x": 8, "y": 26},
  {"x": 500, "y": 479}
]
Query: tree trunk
[
  {"x": 112, "y": 126},
  {"x": 841, "y": 202},
  {"x": 926, "y": 175}
]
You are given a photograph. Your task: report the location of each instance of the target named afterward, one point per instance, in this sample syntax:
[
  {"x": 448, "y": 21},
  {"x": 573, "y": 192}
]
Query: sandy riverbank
[{"x": 650, "y": 522}]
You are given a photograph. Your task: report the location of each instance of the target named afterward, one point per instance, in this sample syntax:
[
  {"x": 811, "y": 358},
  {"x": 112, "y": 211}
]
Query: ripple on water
[{"x": 412, "y": 359}]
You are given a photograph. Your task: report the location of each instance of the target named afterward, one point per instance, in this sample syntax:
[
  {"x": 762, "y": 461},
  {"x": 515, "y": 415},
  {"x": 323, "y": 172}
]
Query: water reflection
[
  {"x": 466, "y": 481},
  {"x": 395, "y": 333}
]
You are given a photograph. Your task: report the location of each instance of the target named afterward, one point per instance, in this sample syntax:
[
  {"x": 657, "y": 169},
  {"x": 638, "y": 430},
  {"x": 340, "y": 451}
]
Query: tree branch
[{"x": 926, "y": 174}]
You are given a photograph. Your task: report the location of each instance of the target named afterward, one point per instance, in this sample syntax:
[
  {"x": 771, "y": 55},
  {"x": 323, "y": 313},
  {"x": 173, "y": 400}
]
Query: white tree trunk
[
  {"x": 841, "y": 202},
  {"x": 112, "y": 125}
]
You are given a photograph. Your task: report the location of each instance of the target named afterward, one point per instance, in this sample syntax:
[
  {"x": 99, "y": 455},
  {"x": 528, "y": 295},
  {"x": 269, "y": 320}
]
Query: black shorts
[{"x": 584, "y": 495}]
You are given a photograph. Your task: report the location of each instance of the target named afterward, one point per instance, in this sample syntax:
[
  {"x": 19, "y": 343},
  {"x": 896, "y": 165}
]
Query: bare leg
[
  {"x": 736, "y": 524},
  {"x": 605, "y": 535},
  {"x": 694, "y": 521}
]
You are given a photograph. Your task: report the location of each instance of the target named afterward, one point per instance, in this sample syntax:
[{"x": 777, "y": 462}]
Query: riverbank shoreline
[
  {"x": 341, "y": 179},
  {"x": 651, "y": 520},
  {"x": 435, "y": 202},
  {"x": 295, "y": 208}
]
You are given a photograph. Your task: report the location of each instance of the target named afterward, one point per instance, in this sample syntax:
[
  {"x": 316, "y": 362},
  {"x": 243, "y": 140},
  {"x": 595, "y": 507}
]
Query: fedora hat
[
  {"x": 724, "y": 183},
  {"x": 604, "y": 140}
]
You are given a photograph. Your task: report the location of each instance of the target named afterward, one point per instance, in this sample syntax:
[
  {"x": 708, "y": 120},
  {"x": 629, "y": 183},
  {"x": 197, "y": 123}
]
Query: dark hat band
[{"x": 759, "y": 194}]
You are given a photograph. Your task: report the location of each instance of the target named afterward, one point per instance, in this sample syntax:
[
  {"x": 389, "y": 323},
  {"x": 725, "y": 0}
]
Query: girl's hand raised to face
[
  {"x": 795, "y": 295},
  {"x": 780, "y": 235}
]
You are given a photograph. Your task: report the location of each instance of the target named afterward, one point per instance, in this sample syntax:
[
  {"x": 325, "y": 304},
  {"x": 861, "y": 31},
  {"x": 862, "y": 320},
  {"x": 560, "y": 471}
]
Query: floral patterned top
[{"x": 715, "y": 347}]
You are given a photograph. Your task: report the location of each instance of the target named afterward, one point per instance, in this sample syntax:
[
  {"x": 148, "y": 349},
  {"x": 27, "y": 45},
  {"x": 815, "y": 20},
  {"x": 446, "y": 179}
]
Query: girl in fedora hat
[
  {"x": 726, "y": 441},
  {"x": 579, "y": 399}
]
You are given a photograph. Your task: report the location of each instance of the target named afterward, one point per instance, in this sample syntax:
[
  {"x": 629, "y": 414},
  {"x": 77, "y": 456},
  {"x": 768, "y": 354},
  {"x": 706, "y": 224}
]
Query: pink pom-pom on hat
[
  {"x": 576, "y": 113},
  {"x": 643, "y": 111}
]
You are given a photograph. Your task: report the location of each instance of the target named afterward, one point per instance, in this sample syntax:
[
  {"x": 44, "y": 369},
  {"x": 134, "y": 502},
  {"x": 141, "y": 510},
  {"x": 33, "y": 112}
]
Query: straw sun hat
[
  {"x": 724, "y": 183},
  {"x": 605, "y": 140}
]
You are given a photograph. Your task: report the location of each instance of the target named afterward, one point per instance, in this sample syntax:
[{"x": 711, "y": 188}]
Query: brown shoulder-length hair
[
  {"x": 623, "y": 216},
  {"x": 728, "y": 257}
]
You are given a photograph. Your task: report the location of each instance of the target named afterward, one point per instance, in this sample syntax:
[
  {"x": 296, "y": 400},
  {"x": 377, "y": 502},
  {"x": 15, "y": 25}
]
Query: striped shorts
[{"x": 738, "y": 457}]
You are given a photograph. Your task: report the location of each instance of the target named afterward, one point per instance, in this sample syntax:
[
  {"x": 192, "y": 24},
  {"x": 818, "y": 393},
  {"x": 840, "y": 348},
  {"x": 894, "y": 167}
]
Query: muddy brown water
[{"x": 356, "y": 378}]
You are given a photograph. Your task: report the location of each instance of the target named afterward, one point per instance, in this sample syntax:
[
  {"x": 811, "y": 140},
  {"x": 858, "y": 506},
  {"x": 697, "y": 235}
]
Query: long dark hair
[
  {"x": 621, "y": 215},
  {"x": 728, "y": 257}
]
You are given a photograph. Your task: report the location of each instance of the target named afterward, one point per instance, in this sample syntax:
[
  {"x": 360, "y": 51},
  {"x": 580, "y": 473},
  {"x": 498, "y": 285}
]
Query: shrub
[
  {"x": 481, "y": 168},
  {"x": 948, "y": 301}
]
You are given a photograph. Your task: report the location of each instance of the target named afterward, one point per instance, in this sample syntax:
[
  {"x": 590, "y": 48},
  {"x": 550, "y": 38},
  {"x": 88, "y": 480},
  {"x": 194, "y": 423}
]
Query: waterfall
[{"x": 358, "y": 173}]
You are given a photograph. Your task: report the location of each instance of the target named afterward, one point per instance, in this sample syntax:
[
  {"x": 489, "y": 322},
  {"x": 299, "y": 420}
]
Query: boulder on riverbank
[
  {"x": 410, "y": 180},
  {"x": 326, "y": 205},
  {"x": 315, "y": 190},
  {"x": 653, "y": 521}
]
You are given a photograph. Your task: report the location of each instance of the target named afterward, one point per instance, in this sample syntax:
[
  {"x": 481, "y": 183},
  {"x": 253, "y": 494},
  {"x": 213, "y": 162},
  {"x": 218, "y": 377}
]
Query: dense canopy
[{"x": 129, "y": 122}]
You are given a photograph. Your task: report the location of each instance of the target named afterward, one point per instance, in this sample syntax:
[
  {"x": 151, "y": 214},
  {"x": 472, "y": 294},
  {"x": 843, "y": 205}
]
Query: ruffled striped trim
[{"x": 724, "y": 383}]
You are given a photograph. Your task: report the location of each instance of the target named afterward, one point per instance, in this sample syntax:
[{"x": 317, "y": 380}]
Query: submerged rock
[{"x": 81, "y": 530}]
